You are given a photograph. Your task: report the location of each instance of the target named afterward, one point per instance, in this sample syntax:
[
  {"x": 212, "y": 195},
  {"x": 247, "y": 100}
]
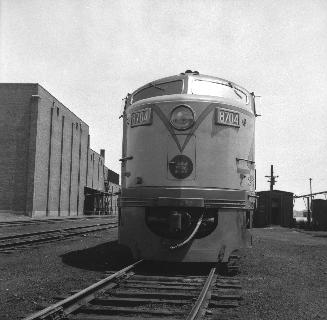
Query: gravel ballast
[
  {"x": 284, "y": 275},
  {"x": 31, "y": 278}
]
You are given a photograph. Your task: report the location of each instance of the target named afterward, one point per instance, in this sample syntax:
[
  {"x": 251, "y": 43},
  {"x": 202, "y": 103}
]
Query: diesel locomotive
[{"x": 188, "y": 170}]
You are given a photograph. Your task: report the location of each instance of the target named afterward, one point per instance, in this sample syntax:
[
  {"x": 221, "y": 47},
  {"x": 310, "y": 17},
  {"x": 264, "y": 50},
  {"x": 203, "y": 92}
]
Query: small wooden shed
[
  {"x": 319, "y": 213},
  {"x": 274, "y": 208}
]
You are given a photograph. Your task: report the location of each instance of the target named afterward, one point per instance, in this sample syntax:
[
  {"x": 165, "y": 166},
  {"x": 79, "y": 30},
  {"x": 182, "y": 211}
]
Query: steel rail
[
  {"x": 72, "y": 303},
  {"x": 197, "y": 307},
  {"x": 52, "y": 220},
  {"x": 49, "y": 238},
  {"x": 52, "y": 236},
  {"x": 30, "y": 234}
]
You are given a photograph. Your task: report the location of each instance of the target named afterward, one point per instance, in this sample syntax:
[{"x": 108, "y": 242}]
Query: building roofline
[
  {"x": 281, "y": 191},
  {"x": 40, "y": 86}
]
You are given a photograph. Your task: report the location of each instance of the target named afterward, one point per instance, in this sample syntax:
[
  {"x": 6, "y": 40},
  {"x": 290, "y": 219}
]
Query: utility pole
[
  {"x": 272, "y": 178},
  {"x": 310, "y": 207},
  {"x": 272, "y": 181}
]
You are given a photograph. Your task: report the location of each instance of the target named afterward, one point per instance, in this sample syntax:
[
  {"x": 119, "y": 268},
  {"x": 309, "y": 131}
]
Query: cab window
[
  {"x": 208, "y": 88},
  {"x": 159, "y": 89}
]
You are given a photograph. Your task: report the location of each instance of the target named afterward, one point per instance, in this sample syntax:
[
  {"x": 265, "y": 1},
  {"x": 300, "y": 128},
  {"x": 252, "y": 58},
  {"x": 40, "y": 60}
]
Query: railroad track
[
  {"x": 14, "y": 223},
  {"x": 134, "y": 294},
  {"x": 23, "y": 240}
]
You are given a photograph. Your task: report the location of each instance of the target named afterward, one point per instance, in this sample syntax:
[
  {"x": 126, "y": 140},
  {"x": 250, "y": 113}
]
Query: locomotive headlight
[{"x": 182, "y": 117}]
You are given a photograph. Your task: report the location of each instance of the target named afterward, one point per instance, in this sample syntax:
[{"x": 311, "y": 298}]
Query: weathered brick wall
[{"x": 18, "y": 115}]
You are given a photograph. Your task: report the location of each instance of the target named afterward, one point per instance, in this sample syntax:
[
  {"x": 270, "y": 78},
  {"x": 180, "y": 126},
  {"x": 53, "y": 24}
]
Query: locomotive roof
[{"x": 195, "y": 75}]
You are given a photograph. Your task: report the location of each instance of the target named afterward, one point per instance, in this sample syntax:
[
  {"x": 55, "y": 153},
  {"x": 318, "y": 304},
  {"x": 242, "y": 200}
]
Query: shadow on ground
[
  {"x": 106, "y": 256},
  {"x": 113, "y": 256}
]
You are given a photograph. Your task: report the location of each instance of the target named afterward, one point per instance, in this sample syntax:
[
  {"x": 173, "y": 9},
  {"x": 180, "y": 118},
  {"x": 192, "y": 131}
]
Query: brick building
[
  {"x": 46, "y": 164},
  {"x": 102, "y": 185}
]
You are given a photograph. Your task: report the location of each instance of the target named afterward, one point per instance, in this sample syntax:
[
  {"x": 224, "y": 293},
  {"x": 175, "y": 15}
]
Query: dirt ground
[
  {"x": 284, "y": 274},
  {"x": 30, "y": 279}
]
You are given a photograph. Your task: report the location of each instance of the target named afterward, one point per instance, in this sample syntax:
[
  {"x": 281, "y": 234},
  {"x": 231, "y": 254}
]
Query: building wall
[
  {"x": 104, "y": 184},
  {"x": 95, "y": 178},
  {"x": 319, "y": 213},
  {"x": 17, "y": 140},
  {"x": 45, "y": 159},
  {"x": 112, "y": 187},
  {"x": 60, "y": 172}
]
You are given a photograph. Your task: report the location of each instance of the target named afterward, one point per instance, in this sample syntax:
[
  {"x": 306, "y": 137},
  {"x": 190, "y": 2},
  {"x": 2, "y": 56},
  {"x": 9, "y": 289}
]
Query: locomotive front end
[{"x": 187, "y": 169}]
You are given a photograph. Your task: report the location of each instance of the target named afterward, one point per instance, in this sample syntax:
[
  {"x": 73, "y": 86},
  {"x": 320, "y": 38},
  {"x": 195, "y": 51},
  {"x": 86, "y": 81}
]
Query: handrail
[
  {"x": 126, "y": 158},
  {"x": 242, "y": 159}
]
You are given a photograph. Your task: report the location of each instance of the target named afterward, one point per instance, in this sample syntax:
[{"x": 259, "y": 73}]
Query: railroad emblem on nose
[{"x": 180, "y": 166}]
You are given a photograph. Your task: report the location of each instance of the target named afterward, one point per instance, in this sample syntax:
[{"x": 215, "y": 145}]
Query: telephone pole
[
  {"x": 310, "y": 207},
  {"x": 272, "y": 178},
  {"x": 310, "y": 179}
]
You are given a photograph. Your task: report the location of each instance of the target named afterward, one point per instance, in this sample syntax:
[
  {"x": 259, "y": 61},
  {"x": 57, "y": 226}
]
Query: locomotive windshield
[
  {"x": 226, "y": 90},
  {"x": 159, "y": 89}
]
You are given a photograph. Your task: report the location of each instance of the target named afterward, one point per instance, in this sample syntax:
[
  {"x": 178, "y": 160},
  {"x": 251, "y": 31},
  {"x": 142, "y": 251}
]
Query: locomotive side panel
[
  {"x": 147, "y": 147},
  {"x": 226, "y": 145}
]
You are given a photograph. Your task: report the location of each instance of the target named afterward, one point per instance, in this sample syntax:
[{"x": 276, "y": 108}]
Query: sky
[{"x": 90, "y": 54}]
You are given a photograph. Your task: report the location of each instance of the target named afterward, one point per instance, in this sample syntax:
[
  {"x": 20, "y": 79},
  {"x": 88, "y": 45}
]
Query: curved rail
[
  {"x": 72, "y": 303},
  {"x": 200, "y": 302},
  {"x": 142, "y": 294}
]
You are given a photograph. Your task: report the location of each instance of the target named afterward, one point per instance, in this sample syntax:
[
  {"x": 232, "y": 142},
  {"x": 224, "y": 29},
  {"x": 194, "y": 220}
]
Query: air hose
[{"x": 187, "y": 240}]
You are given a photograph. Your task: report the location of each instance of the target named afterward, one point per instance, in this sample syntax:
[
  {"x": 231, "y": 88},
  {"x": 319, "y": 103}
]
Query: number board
[
  {"x": 141, "y": 117},
  {"x": 227, "y": 117}
]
